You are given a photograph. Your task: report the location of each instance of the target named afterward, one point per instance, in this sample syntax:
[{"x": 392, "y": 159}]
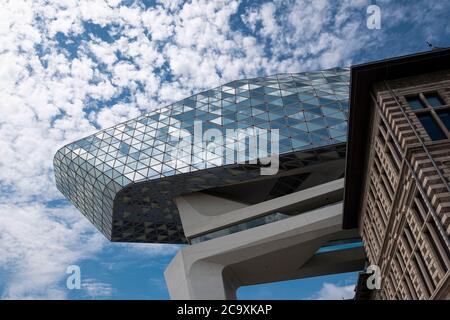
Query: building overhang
[
  {"x": 363, "y": 77},
  {"x": 125, "y": 179}
]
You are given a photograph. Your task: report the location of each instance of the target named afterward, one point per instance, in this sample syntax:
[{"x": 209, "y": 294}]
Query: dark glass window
[
  {"x": 434, "y": 100},
  {"x": 444, "y": 115},
  {"x": 415, "y": 102},
  {"x": 431, "y": 126}
]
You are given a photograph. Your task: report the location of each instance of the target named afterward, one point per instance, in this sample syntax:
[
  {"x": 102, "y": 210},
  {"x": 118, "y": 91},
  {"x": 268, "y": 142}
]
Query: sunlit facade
[{"x": 397, "y": 186}]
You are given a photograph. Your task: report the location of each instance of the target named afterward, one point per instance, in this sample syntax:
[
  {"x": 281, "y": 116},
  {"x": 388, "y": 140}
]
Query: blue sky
[{"x": 70, "y": 68}]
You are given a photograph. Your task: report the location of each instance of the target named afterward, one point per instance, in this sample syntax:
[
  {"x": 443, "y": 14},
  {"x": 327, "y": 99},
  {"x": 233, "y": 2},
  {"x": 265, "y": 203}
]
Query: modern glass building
[
  {"x": 124, "y": 179},
  {"x": 202, "y": 171}
]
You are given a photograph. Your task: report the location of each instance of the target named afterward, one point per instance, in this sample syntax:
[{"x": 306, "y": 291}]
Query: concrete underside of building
[{"x": 282, "y": 250}]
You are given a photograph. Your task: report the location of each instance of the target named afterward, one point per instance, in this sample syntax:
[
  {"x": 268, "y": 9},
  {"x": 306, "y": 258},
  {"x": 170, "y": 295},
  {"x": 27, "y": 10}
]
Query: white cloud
[
  {"x": 315, "y": 34},
  {"x": 37, "y": 244},
  {"x": 159, "y": 23},
  {"x": 270, "y": 27},
  {"x": 97, "y": 289},
  {"x": 116, "y": 114},
  {"x": 151, "y": 250},
  {"x": 331, "y": 291}
]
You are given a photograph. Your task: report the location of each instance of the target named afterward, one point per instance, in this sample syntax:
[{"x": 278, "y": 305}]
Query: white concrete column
[{"x": 277, "y": 251}]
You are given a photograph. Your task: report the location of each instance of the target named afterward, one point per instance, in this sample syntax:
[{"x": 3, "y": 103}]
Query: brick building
[{"x": 397, "y": 188}]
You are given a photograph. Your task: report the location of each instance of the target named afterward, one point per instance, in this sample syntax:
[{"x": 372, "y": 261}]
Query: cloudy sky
[{"x": 69, "y": 68}]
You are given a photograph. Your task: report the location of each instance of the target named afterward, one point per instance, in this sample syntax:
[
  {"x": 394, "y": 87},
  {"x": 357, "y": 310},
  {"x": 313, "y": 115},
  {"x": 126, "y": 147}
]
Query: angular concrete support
[
  {"x": 201, "y": 213},
  {"x": 277, "y": 251},
  {"x": 201, "y": 279}
]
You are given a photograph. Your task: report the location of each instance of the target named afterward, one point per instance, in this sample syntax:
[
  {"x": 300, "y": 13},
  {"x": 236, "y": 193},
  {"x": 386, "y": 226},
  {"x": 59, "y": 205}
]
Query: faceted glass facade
[{"x": 124, "y": 179}]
